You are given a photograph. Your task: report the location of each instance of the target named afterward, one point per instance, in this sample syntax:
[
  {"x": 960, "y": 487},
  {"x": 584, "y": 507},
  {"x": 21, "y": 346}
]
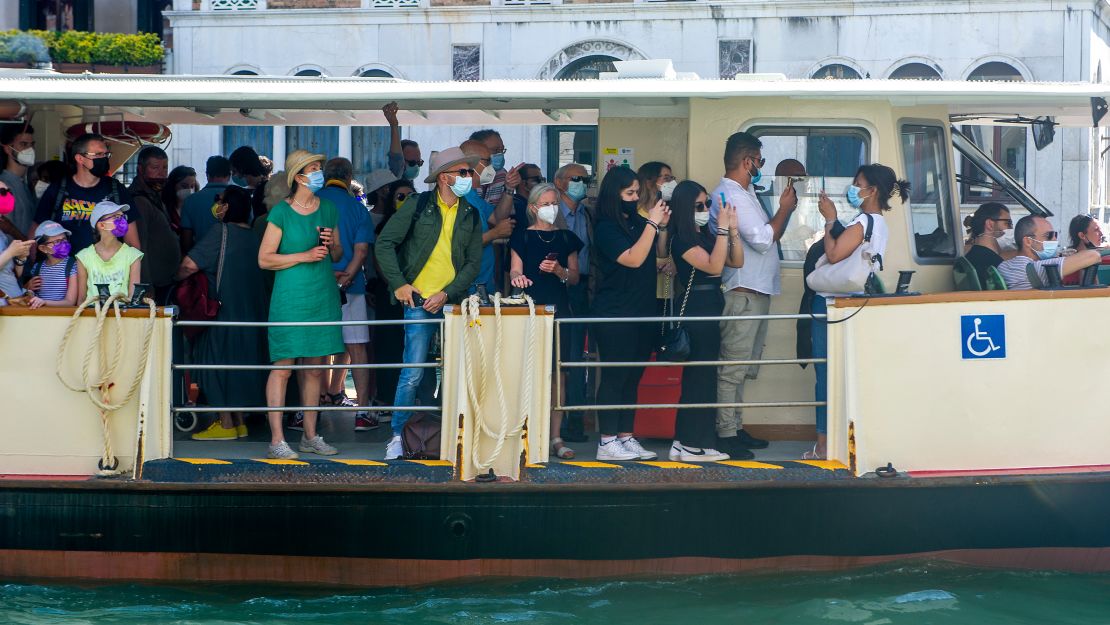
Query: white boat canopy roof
[{"x": 269, "y": 100}]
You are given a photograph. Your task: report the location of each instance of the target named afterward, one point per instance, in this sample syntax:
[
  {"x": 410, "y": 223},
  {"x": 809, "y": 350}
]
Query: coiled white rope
[
  {"x": 98, "y": 389},
  {"x": 475, "y": 387}
]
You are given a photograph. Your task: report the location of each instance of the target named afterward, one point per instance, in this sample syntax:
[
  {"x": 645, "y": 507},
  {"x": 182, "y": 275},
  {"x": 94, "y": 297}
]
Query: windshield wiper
[{"x": 995, "y": 172}]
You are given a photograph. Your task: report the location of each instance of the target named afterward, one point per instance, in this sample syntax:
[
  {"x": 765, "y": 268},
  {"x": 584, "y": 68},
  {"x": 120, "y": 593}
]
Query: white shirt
[
  {"x": 880, "y": 236},
  {"x": 1015, "y": 272},
  {"x": 760, "y": 272}
]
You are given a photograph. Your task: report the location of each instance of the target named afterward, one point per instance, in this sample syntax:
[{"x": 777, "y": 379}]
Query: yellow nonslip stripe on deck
[{"x": 828, "y": 465}]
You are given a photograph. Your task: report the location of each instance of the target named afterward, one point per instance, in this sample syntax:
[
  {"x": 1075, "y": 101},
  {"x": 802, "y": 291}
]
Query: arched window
[
  {"x": 587, "y": 67},
  {"x": 1006, "y": 145},
  {"x": 837, "y": 70},
  {"x": 375, "y": 73},
  {"x": 244, "y": 72},
  {"x": 915, "y": 71},
  {"x": 309, "y": 72}
]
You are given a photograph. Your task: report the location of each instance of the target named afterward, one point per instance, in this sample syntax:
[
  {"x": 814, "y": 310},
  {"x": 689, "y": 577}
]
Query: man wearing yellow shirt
[{"x": 429, "y": 252}]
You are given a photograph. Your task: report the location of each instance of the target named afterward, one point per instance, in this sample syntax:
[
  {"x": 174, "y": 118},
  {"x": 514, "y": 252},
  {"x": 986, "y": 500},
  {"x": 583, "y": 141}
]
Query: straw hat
[
  {"x": 378, "y": 179},
  {"x": 297, "y": 161},
  {"x": 444, "y": 160}
]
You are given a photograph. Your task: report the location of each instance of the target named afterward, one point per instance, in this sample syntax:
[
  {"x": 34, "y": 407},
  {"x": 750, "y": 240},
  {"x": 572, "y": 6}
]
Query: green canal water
[{"x": 891, "y": 595}]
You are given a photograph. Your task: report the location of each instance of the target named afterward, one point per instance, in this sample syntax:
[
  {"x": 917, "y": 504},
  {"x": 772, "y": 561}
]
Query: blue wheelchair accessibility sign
[{"x": 983, "y": 336}]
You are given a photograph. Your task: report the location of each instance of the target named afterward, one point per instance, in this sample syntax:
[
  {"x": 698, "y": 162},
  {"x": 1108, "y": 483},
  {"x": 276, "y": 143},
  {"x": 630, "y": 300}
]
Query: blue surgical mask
[
  {"x": 853, "y": 196},
  {"x": 461, "y": 186},
  {"x": 757, "y": 176},
  {"x": 576, "y": 190},
  {"x": 411, "y": 172},
  {"x": 1048, "y": 249},
  {"x": 498, "y": 161},
  {"x": 315, "y": 181}
]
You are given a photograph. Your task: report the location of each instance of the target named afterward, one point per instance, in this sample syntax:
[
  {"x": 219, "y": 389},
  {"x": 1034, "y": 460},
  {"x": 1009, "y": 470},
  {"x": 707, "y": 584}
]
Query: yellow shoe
[
  {"x": 241, "y": 430},
  {"x": 216, "y": 432}
]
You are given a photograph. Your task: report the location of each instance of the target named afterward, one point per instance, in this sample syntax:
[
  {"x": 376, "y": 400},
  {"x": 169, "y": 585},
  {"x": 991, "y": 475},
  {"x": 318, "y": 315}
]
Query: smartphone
[
  {"x": 723, "y": 200},
  {"x": 552, "y": 256},
  {"x": 320, "y": 236},
  {"x": 417, "y": 300}
]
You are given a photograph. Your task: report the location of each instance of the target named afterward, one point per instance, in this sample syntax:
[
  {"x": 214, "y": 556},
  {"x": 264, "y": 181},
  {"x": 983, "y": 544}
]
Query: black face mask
[
  {"x": 629, "y": 207},
  {"x": 99, "y": 167}
]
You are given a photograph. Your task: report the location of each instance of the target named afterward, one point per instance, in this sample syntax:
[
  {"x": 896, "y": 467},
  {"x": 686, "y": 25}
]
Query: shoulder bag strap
[
  {"x": 870, "y": 227},
  {"x": 686, "y": 297},
  {"x": 60, "y": 198},
  {"x": 220, "y": 262}
]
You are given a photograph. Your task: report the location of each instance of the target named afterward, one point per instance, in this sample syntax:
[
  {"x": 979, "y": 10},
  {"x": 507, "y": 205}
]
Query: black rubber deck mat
[{"x": 209, "y": 470}]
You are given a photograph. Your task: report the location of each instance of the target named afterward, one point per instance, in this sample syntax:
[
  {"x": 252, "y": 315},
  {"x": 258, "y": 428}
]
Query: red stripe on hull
[{"x": 365, "y": 572}]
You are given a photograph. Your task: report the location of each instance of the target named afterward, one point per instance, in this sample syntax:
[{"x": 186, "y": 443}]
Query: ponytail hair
[
  {"x": 976, "y": 223},
  {"x": 886, "y": 182}
]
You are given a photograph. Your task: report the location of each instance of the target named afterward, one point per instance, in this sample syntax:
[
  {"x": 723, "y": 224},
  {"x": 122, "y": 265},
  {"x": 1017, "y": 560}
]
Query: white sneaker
[
  {"x": 682, "y": 453},
  {"x": 394, "y": 449},
  {"x": 614, "y": 450},
  {"x": 316, "y": 446},
  {"x": 633, "y": 446},
  {"x": 282, "y": 451}
]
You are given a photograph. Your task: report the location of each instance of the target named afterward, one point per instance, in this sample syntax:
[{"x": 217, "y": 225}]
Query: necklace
[
  {"x": 307, "y": 208},
  {"x": 539, "y": 233}
]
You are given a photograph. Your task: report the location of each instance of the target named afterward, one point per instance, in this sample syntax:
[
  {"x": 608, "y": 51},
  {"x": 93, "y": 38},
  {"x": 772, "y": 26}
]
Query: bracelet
[
  {"x": 652, "y": 224},
  {"x": 565, "y": 276},
  {"x": 723, "y": 231}
]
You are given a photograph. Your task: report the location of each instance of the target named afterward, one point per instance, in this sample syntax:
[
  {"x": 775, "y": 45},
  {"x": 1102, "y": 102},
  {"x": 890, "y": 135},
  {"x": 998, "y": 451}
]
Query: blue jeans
[
  {"x": 821, "y": 350},
  {"x": 418, "y": 338}
]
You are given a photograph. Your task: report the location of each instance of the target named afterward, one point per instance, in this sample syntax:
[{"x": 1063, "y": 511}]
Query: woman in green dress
[{"x": 300, "y": 243}]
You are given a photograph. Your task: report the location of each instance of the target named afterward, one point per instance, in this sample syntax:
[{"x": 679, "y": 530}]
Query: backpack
[{"x": 420, "y": 437}]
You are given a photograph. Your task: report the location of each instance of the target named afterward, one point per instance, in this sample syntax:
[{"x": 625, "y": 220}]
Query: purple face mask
[
  {"x": 61, "y": 249},
  {"x": 119, "y": 226}
]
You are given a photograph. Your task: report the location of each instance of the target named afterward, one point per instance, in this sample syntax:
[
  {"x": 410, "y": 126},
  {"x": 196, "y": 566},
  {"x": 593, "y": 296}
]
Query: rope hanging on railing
[
  {"x": 475, "y": 387},
  {"x": 98, "y": 390}
]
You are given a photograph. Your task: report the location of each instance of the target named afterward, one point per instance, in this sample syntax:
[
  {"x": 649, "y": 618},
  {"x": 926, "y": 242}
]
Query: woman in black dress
[
  {"x": 700, "y": 255},
  {"x": 625, "y": 248},
  {"x": 544, "y": 261}
]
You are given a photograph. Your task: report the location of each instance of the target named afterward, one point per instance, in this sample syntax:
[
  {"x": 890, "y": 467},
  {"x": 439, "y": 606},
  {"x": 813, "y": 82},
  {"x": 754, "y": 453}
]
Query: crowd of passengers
[{"x": 310, "y": 243}]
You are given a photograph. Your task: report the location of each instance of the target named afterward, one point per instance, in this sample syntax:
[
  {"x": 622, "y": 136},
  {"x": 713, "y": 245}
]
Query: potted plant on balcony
[
  {"x": 23, "y": 51},
  {"x": 109, "y": 53}
]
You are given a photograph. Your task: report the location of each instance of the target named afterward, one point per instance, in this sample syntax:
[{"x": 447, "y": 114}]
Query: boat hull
[{"x": 401, "y": 534}]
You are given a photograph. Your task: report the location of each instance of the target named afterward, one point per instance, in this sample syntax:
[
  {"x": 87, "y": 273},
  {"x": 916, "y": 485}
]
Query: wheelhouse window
[
  {"x": 924, "y": 152},
  {"x": 831, "y": 157},
  {"x": 1005, "y": 145}
]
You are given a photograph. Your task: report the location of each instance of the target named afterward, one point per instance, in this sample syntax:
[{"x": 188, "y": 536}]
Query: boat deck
[{"x": 361, "y": 454}]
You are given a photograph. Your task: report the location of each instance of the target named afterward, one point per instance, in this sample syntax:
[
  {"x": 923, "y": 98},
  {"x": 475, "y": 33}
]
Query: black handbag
[{"x": 674, "y": 346}]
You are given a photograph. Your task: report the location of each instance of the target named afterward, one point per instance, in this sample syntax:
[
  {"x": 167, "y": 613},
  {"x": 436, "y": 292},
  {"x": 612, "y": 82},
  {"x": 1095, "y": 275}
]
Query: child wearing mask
[
  {"x": 109, "y": 260},
  {"x": 53, "y": 277}
]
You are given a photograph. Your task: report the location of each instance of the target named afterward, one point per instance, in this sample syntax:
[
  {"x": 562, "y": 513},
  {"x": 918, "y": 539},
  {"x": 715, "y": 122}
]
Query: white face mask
[
  {"x": 1006, "y": 241},
  {"x": 547, "y": 213},
  {"x": 701, "y": 219},
  {"x": 487, "y": 175},
  {"x": 25, "y": 157},
  {"x": 40, "y": 187},
  {"x": 184, "y": 193},
  {"x": 667, "y": 189}
]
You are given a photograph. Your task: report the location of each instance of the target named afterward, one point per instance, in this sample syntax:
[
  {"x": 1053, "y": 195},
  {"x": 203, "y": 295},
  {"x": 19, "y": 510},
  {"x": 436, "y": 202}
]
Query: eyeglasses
[
  {"x": 760, "y": 163},
  {"x": 585, "y": 179},
  {"x": 501, "y": 151},
  {"x": 95, "y": 155},
  {"x": 1008, "y": 222},
  {"x": 5, "y": 191},
  {"x": 462, "y": 172},
  {"x": 703, "y": 206},
  {"x": 416, "y": 163}
]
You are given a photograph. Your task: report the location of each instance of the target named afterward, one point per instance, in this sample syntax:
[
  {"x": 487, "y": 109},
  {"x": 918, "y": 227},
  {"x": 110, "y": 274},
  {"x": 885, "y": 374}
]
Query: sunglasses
[
  {"x": 5, "y": 191},
  {"x": 703, "y": 206},
  {"x": 761, "y": 162},
  {"x": 462, "y": 172},
  {"x": 585, "y": 179},
  {"x": 401, "y": 197},
  {"x": 1049, "y": 236},
  {"x": 416, "y": 163}
]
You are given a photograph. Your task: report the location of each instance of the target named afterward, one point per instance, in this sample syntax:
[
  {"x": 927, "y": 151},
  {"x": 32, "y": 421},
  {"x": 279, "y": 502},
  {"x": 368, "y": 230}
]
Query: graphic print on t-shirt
[{"x": 74, "y": 209}]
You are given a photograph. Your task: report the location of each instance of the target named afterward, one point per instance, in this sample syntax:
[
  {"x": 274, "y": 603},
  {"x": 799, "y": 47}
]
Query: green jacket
[{"x": 407, "y": 240}]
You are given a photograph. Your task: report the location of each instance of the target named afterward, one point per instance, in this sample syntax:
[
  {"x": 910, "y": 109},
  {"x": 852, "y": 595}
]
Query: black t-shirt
[
  {"x": 77, "y": 207},
  {"x": 533, "y": 246},
  {"x": 982, "y": 258},
  {"x": 622, "y": 291},
  {"x": 706, "y": 242}
]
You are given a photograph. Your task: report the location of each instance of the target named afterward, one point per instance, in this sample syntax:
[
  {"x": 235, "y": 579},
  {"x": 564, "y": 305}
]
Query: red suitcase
[{"x": 659, "y": 385}]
